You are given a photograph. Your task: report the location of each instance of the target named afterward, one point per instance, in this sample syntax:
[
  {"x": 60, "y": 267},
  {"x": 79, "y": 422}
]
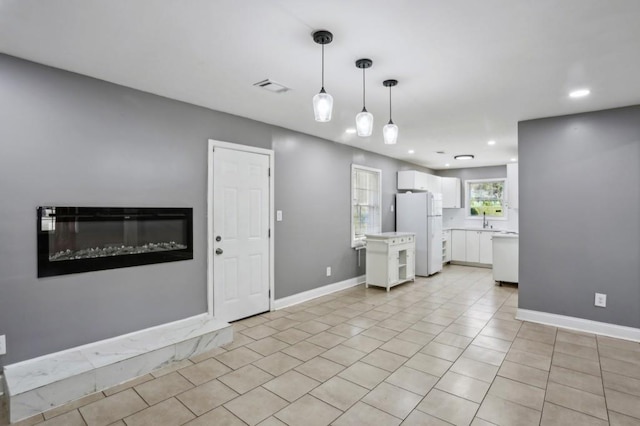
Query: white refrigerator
[{"x": 421, "y": 212}]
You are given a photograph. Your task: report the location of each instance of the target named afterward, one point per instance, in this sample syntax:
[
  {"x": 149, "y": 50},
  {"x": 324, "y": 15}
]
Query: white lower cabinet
[
  {"x": 390, "y": 258},
  {"x": 446, "y": 246},
  {"x": 471, "y": 246}
]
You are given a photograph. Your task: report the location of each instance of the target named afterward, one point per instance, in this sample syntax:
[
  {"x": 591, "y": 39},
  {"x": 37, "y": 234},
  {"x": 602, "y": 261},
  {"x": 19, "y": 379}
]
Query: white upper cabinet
[
  {"x": 512, "y": 186},
  {"x": 450, "y": 193},
  {"x": 413, "y": 180}
]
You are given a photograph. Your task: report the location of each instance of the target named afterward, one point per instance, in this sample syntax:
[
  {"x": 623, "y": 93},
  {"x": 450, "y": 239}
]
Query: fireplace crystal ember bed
[{"x": 82, "y": 239}]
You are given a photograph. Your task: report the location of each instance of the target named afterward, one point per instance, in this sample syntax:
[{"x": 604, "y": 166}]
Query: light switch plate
[
  {"x": 328, "y": 271},
  {"x": 279, "y": 216},
  {"x": 3, "y": 345}
]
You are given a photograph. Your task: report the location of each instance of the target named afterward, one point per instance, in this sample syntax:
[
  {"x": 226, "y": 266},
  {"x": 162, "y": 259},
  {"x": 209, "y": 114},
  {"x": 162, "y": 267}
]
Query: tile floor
[{"x": 443, "y": 350}]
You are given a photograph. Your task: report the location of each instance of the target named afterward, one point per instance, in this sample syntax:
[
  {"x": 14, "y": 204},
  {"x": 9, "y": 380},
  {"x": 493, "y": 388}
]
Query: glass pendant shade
[
  {"x": 322, "y": 106},
  {"x": 364, "y": 123},
  {"x": 390, "y": 133}
]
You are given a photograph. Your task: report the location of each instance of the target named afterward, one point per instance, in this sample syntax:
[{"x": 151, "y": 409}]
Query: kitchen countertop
[{"x": 477, "y": 228}]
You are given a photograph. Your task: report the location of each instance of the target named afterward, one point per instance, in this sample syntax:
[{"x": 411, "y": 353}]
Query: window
[
  {"x": 365, "y": 203},
  {"x": 486, "y": 196}
]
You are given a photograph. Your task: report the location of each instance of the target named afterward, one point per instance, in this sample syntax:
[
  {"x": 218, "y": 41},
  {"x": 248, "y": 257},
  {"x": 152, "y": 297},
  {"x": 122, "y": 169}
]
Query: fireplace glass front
[{"x": 82, "y": 239}]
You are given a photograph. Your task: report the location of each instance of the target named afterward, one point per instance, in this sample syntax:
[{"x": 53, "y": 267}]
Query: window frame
[
  {"x": 467, "y": 202},
  {"x": 359, "y": 242}
]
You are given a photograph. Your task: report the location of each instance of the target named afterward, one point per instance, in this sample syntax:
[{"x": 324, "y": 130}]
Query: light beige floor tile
[
  {"x": 576, "y": 379},
  {"x": 415, "y": 336},
  {"x": 267, "y": 346},
  {"x": 537, "y": 336},
  {"x": 620, "y": 383},
  {"x": 163, "y": 388},
  {"x": 291, "y": 385},
  {"x": 76, "y": 404},
  {"x": 412, "y": 380},
  {"x": 463, "y": 330},
  {"x": 577, "y": 338},
  {"x": 476, "y": 369},
  {"x": 385, "y": 360},
  {"x": 345, "y": 330},
  {"x": 219, "y": 417},
  {"x": 251, "y": 322},
  {"x": 463, "y": 386},
  {"x": 376, "y": 315},
  {"x": 380, "y": 333},
  {"x": 428, "y": 364},
  {"x": 304, "y": 351},
  {"x": 320, "y": 369},
  {"x": 302, "y": 316},
  {"x": 204, "y": 371},
  {"x": 577, "y": 350},
  {"x": 524, "y": 374},
  {"x": 532, "y": 347},
  {"x": 439, "y": 350},
  {"x": 239, "y": 357},
  {"x": 392, "y": 399},
  {"x": 471, "y": 322},
  {"x": 623, "y": 403},
  {"x": 485, "y": 355},
  {"x": 555, "y": 415},
  {"x": 238, "y": 341},
  {"x": 339, "y": 393},
  {"x": 447, "y": 407},
  {"x": 542, "y": 362},
  {"x": 453, "y": 340},
  {"x": 499, "y": 333},
  {"x": 258, "y": 332},
  {"x": 166, "y": 413},
  {"x": 388, "y": 308},
  {"x": 502, "y": 412},
  {"x": 277, "y": 363},
  {"x": 292, "y": 336},
  {"x": 112, "y": 408},
  {"x": 363, "y": 414},
  {"x": 245, "y": 378},
  {"x": 618, "y": 343},
  {"x": 363, "y": 343},
  {"x": 578, "y": 400},
  {"x": 271, "y": 421},
  {"x": 620, "y": 354},
  {"x": 312, "y": 327},
  {"x": 507, "y": 324},
  {"x": 174, "y": 366},
  {"x": 282, "y": 323},
  {"x": 577, "y": 364},
  {"x": 479, "y": 422},
  {"x": 620, "y": 367},
  {"x": 332, "y": 319},
  {"x": 407, "y": 317},
  {"x": 617, "y": 419},
  {"x": 362, "y": 322},
  {"x": 256, "y": 405},
  {"x": 326, "y": 340},
  {"x": 401, "y": 347},
  {"x": 492, "y": 343},
  {"x": 126, "y": 385},
  {"x": 71, "y": 418},
  {"x": 308, "y": 411},
  {"x": 395, "y": 325},
  {"x": 206, "y": 397},
  {"x": 520, "y": 393},
  {"x": 364, "y": 375},
  {"x": 343, "y": 355},
  {"x": 427, "y": 327},
  {"x": 419, "y": 418}
]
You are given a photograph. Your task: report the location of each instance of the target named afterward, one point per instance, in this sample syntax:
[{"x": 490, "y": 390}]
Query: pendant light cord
[
  {"x": 323, "y": 66},
  {"x": 390, "y": 120},
  {"x": 363, "y": 90}
]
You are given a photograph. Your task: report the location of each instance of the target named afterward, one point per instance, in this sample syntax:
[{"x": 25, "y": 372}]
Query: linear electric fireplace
[{"x": 82, "y": 239}]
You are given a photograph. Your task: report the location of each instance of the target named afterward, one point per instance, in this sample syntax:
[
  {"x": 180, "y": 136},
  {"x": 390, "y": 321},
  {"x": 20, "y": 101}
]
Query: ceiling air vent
[{"x": 272, "y": 86}]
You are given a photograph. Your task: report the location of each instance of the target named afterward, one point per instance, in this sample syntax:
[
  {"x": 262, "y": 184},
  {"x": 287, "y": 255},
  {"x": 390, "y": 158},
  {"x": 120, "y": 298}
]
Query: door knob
[{"x": 218, "y": 251}]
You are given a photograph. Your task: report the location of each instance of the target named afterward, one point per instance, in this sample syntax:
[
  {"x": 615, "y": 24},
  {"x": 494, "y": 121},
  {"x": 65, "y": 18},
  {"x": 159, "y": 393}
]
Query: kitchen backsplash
[{"x": 457, "y": 218}]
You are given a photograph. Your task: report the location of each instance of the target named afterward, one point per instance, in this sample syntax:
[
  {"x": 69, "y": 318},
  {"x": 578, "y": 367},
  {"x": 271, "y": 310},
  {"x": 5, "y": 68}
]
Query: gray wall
[
  {"x": 67, "y": 139},
  {"x": 580, "y": 215}
]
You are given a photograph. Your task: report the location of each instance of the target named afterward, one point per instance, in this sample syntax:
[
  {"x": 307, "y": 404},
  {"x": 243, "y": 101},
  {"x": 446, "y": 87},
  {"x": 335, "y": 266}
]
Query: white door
[{"x": 240, "y": 233}]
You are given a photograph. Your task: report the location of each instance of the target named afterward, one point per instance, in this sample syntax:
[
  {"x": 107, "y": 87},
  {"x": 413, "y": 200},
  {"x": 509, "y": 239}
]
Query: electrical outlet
[
  {"x": 279, "y": 216},
  {"x": 601, "y": 300},
  {"x": 3, "y": 345},
  {"x": 328, "y": 271},
  {"x": 391, "y": 208}
]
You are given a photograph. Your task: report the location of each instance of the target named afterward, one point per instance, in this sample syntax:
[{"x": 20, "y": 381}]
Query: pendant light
[
  {"x": 364, "y": 119},
  {"x": 322, "y": 102},
  {"x": 390, "y": 130}
]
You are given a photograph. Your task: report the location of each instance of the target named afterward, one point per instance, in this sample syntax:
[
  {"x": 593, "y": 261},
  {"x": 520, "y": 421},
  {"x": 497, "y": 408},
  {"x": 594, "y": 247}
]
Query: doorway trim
[{"x": 211, "y": 304}]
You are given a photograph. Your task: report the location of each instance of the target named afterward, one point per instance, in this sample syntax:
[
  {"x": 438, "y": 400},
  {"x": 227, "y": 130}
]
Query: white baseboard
[
  {"x": 317, "y": 292},
  {"x": 580, "y": 324}
]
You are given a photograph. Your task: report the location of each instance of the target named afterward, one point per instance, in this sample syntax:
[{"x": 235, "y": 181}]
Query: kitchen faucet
[{"x": 485, "y": 222}]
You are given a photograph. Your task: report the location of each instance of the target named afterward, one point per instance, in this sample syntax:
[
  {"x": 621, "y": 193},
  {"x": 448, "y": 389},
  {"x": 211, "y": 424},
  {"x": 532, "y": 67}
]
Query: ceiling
[{"x": 468, "y": 70}]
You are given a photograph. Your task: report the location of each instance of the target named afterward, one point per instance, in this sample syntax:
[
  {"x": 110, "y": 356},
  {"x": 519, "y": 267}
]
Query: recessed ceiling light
[
  {"x": 411, "y": 151},
  {"x": 579, "y": 93},
  {"x": 447, "y": 165},
  {"x": 350, "y": 131},
  {"x": 464, "y": 157},
  {"x": 491, "y": 143},
  {"x": 513, "y": 159}
]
